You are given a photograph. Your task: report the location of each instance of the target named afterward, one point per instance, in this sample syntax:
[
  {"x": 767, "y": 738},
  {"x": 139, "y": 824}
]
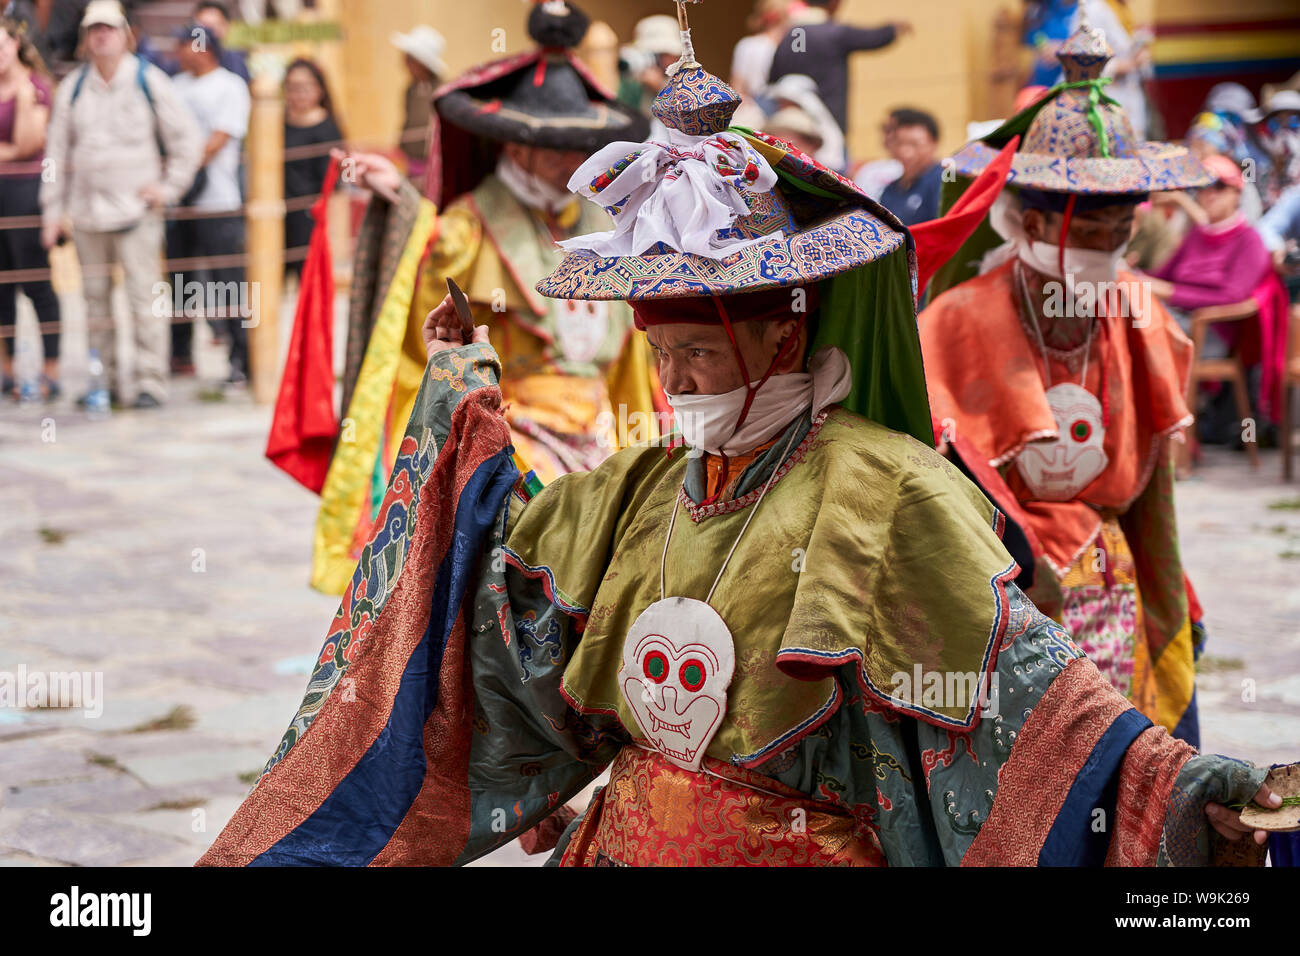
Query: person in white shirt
[
  {"x": 875, "y": 174},
  {"x": 120, "y": 146},
  {"x": 220, "y": 103},
  {"x": 751, "y": 60},
  {"x": 1130, "y": 66}
]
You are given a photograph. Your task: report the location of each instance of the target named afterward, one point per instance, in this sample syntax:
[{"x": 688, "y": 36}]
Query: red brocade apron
[{"x": 653, "y": 813}]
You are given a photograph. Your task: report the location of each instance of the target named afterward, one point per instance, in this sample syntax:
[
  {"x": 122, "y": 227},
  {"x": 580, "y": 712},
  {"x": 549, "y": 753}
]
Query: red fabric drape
[
  {"x": 938, "y": 240},
  {"x": 1274, "y": 317},
  {"x": 303, "y": 430}
]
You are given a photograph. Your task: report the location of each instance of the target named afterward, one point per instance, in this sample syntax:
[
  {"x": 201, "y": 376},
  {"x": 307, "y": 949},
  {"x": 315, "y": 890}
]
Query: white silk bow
[{"x": 686, "y": 193}]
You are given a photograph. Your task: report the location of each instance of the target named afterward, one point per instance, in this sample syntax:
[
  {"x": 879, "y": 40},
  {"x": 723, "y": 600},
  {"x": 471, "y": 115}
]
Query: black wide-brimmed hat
[{"x": 545, "y": 97}]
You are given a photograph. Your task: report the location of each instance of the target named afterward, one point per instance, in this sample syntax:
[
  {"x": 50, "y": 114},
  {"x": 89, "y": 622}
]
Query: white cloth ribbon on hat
[
  {"x": 1004, "y": 217},
  {"x": 680, "y": 193},
  {"x": 708, "y": 422}
]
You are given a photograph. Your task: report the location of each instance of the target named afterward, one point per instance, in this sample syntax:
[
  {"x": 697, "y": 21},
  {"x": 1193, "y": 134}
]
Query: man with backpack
[{"x": 121, "y": 146}]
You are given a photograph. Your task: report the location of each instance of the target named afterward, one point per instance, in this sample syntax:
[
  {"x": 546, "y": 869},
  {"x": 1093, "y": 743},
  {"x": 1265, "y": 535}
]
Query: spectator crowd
[{"x": 128, "y": 150}]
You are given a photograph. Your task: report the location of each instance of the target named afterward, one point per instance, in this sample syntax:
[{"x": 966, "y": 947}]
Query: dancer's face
[
  {"x": 1104, "y": 230},
  {"x": 554, "y": 166},
  {"x": 698, "y": 359}
]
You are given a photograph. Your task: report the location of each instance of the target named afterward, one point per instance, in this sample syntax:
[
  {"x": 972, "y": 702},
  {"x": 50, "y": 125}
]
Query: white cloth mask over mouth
[{"x": 708, "y": 422}]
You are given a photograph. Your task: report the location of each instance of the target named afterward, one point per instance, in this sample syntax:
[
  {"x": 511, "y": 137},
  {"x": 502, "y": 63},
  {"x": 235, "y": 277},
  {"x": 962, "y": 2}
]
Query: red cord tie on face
[
  {"x": 1065, "y": 233},
  {"x": 1105, "y": 379},
  {"x": 1105, "y": 332},
  {"x": 750, "y": 390}
]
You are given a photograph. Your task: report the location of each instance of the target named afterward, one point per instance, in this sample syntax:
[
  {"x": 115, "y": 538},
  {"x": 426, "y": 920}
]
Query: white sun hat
[
  {"x": 106, "y": 12},
  {"x": 425, "y": 44},
  {"x": 658, "y": 34}
]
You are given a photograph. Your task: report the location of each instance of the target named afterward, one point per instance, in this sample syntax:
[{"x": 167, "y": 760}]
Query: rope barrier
[
  {"x": 170, "y": 267},
  {"x": 294, "y": 204},
  {"x": 174, "y": 213}
]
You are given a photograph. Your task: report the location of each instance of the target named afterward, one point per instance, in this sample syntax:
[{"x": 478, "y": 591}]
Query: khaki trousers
[{"x": 138, "y": 250}]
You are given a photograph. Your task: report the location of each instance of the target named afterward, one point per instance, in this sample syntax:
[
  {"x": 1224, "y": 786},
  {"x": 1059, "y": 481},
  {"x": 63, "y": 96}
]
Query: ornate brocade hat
[
  {"x": 715, "y": 209},
  {"x": 1076, "y": 139}
]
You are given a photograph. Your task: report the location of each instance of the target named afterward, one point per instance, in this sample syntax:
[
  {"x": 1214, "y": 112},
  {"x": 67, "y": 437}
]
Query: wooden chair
[
  {"x": 1228, "y": 370},
  {"x": 1290, "y": 384}
]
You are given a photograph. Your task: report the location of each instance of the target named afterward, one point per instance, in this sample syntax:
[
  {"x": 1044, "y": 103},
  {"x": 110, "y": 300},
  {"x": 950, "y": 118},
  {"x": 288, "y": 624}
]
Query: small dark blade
[{"x": 462, "y": 308}]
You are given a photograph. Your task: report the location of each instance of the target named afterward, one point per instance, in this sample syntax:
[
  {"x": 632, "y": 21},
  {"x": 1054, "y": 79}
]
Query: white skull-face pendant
[
  {"x": 678, "y": 660},
  {"x": 1059, "y": 470}
]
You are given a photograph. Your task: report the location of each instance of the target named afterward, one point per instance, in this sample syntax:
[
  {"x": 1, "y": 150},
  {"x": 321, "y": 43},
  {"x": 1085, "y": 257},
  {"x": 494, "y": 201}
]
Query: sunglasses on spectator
[{"x": 1275, "y": 124}]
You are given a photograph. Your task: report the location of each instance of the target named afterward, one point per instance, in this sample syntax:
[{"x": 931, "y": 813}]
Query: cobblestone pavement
[
  {"x": 161, "y": 550},
  {"x": 1240, "y": 536}
]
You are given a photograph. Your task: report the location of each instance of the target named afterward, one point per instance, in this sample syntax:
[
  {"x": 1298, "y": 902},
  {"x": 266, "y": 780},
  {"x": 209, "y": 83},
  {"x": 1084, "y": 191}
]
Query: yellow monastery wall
[
  {"x": 930, "y": 69},
  {"x": 950, "y": 66}
]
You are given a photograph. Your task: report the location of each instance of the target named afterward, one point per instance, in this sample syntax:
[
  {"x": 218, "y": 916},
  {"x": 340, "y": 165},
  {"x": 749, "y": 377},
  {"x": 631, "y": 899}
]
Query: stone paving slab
[
  {"x": 190, "y": 826},
  {"x": 14, "y": 858},
  {"x": 193, "y": 765},
  {"x": 46, "y": 758},
  {"x": 94, "y": 789},
  {"x": 80, "y": 840}
]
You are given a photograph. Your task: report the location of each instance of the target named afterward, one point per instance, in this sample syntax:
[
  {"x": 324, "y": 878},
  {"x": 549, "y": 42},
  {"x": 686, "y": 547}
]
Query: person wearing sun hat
[
  {"x": 740, "y": 629},
  {"x": 655, "y": 44},
  {"x": 1223, "y": 261},
  {"x": 503, "y": 140},
  {"x": 1210, "y": 134},
  {"x": 422, "y": 48},
  {"x": 1279, "y": 134},
  {"x": 1058, "y": 380}
]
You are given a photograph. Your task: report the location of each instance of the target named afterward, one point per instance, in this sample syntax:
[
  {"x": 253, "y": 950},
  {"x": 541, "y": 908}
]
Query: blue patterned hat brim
[
  {"x": 846, "y": 241},
  {"x": 1156, "y": 167}
]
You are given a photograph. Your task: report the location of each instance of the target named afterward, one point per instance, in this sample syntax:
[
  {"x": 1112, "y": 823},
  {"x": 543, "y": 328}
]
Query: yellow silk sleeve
[
  {"x": 631, "y": 382},
  {"x": 453, "y": 253},
  {"x": 347, "y": 483}
]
